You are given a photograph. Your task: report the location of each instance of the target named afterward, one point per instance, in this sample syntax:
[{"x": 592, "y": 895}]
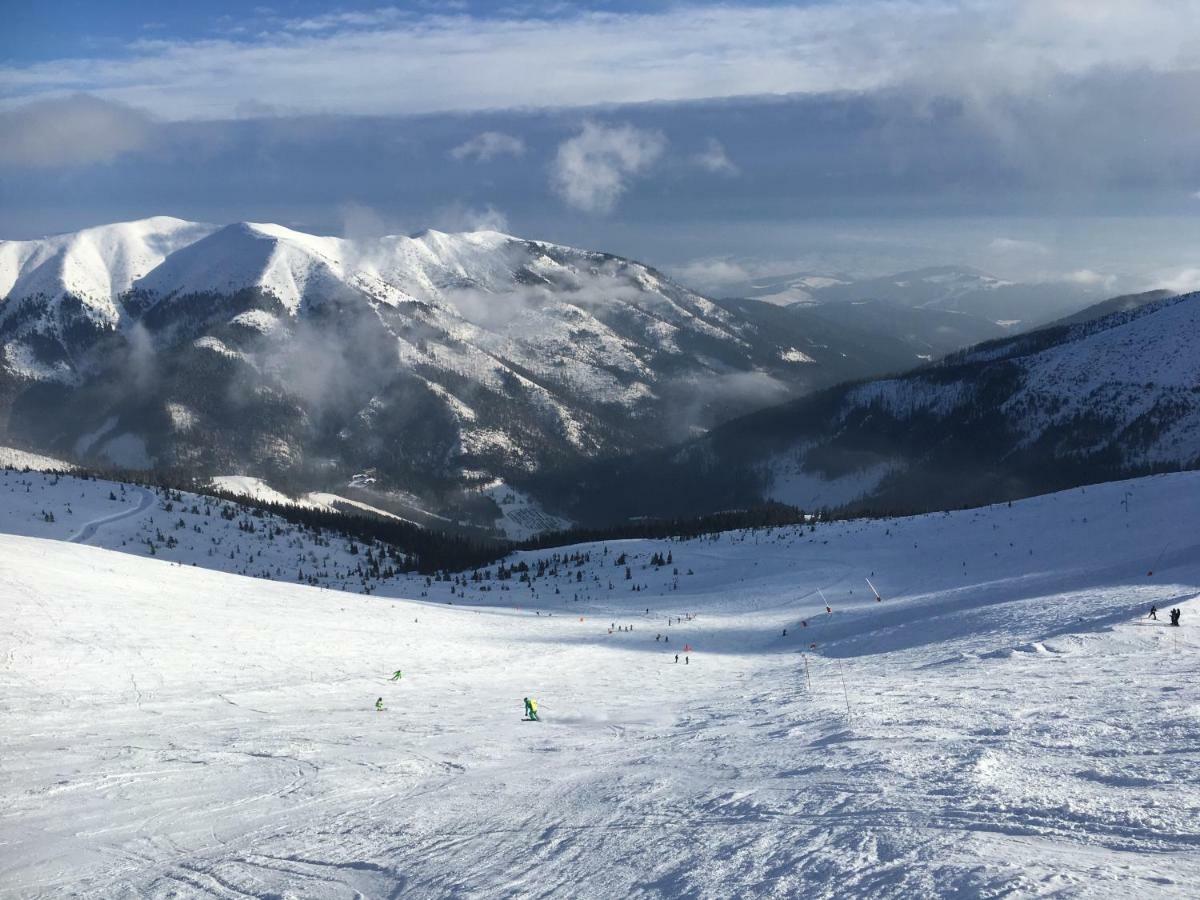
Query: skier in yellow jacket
[{"x": 531, "y": 709}]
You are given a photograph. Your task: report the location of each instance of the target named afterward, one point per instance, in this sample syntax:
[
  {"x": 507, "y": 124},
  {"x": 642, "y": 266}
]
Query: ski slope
[{"x": 1006, "y": 722}]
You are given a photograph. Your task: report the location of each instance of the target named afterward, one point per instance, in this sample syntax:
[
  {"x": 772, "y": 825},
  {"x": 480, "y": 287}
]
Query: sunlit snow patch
[{"x": 521, "y": 516}]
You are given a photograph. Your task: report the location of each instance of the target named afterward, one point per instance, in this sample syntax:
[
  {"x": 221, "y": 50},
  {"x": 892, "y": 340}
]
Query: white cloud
[
  {"x": 394, "y": 61},
  {"x": 459, "y": 217},
  {"x": 707, "y": 274},
  {"x": 372, "y": 18},
  {"x": 1015, "y": 246},
  {"x": 1091, "y": 278},
  {"x": 714, "y": 159},
  {"x": 1182, "y": 281},
  {"x": 592, "y": 170},
  {"x": 488, "y": 145},
  {"x": 71, "y": 131}
]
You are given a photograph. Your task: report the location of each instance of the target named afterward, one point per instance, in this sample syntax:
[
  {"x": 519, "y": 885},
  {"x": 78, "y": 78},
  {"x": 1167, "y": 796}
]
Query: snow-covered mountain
[
  {"x": 439, "y": 359},
  {"x": 1075, "y": 403},
  {"x": 94, "y": 266}
]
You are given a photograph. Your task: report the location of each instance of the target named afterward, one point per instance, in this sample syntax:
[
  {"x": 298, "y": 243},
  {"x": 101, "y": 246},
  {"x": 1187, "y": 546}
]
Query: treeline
[
  {"x": 432, "y": 550},
  {"x": 767, "y": 515}
]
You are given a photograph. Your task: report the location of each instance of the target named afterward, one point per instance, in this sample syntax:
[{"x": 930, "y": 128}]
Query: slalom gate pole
[{"x": 807, "y": 677}]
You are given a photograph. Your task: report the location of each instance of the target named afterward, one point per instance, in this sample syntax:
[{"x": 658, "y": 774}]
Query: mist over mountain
[{"x": 957, "y": 289}]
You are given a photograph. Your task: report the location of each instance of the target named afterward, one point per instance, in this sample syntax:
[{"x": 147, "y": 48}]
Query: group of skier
[{"x": 1175, "y": 614}]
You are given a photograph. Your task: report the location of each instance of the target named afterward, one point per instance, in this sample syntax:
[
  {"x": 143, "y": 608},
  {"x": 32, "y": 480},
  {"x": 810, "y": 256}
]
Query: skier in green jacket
[
  {"x": 531, "y": 709},
  {"x": 379, "y": 705},
  {"x": 397, "y": 675}
]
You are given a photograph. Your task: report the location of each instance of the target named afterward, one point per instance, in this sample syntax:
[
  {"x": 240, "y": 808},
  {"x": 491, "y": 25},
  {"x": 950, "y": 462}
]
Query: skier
[
  {"x": 379, "y": 705},
  {"x": 785, "y": 632},
  {"x": 676, "y": 657},
  {"x": 1175, "y": 614},
  {"x": 397, "y": 675},
  {"x": 531, "y": 710},
  {"x": 686, "y": 660},
  {"x": 1153, "y": 612}
]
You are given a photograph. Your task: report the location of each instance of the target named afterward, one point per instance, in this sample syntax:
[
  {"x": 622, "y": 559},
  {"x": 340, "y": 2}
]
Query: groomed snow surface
[{"x": 1006, "y": 722}]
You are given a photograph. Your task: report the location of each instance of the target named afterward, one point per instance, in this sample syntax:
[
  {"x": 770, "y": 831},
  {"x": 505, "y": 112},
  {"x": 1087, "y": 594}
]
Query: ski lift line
[{"x": 1161, "y": 554}]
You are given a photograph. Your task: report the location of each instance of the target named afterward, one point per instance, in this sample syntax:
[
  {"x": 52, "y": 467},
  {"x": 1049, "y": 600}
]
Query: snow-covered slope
[
  {"x": 1006, "y": 722},
  {"x": 257, "y": 489},
  {"x": 288, "y": 264},
  {"x": 95, "y": 265},
  {"x": 1119, "y": 394},
  {"x": 23, "y": 459},
  {"x": 1071, "y": 404},
  {"x": 192, "y": 529}
]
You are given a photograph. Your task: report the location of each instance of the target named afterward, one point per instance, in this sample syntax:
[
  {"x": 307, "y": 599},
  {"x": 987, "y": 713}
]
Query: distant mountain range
[
  {"x": 446, "y": 362},
  {"x": 1109, "y": 393},
  {"x": 953, "y": 289}
]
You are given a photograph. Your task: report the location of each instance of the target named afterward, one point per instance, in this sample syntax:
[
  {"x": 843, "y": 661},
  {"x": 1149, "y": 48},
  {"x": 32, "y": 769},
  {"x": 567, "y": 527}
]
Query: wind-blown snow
[{"x": 1005, "y": 722}]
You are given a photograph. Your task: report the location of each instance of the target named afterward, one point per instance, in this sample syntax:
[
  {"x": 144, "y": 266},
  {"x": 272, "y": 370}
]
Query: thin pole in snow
[
  {"x": 807, "y": 677},
  {"x": 873, "y": 591},
  {"x": 845, "y": 692}
]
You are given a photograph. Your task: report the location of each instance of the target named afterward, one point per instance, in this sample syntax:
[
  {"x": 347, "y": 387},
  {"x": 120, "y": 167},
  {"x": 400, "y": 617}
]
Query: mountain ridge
[{"x": 445, "y": 360}]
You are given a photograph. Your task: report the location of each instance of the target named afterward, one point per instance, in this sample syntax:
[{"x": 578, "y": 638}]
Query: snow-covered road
[{"x": 1005, "y": 723}]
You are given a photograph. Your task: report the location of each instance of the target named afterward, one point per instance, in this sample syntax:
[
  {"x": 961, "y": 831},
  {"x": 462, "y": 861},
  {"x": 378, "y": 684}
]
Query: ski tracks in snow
[{"x": 89, "y": 529}]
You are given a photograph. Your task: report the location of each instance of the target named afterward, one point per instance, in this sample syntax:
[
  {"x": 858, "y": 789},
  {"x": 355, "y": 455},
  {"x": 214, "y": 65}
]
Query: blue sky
[
  {"x": 1034, "y": 138},
  {"x": 53, "y": 29}
]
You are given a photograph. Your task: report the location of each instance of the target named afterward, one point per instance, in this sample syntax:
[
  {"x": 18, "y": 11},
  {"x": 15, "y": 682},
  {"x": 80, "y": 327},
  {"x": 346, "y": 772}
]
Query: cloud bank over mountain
[{"x": 674, "y": 133}]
